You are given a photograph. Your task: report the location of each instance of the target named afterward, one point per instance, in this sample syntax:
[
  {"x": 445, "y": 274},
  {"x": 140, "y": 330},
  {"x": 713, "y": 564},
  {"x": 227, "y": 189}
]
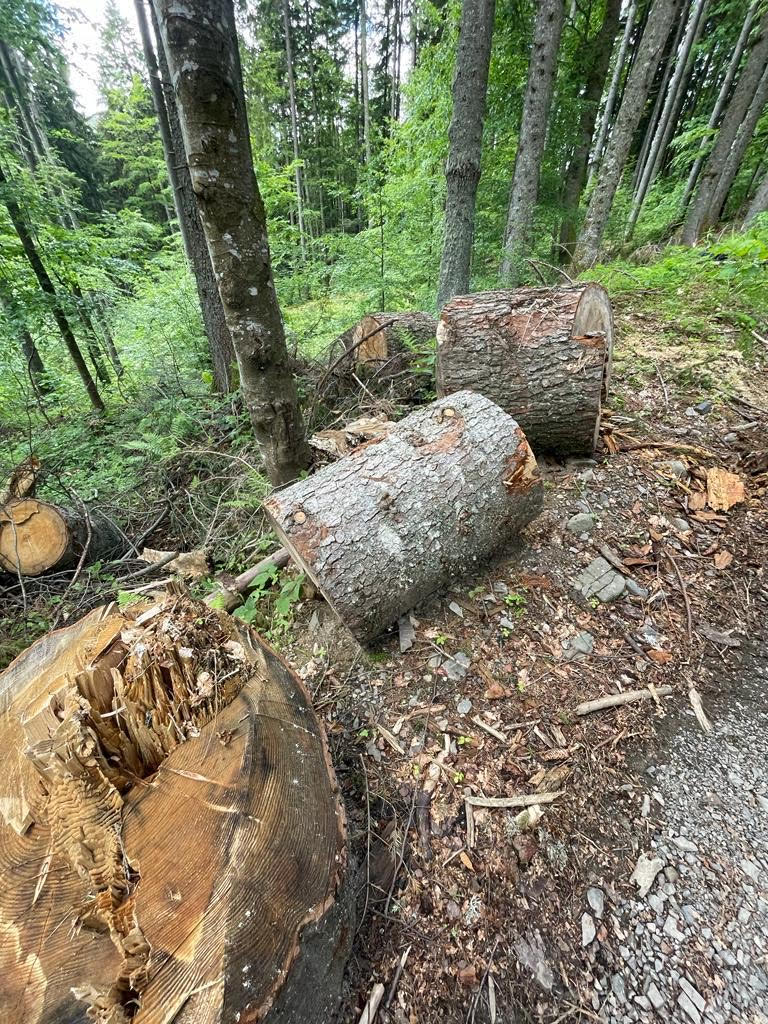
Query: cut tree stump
[
  {"x": 37, "y": 537},
  {"x": 172, "y": 841},
  {"x": 386, "y": 342},
  {"x": 542, "y": 354},
  {"x": 401, "y": 517}
]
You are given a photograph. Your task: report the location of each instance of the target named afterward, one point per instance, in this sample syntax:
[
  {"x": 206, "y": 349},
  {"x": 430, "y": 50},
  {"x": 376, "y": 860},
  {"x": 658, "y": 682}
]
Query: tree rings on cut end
[{"x": 34, "y": 536}]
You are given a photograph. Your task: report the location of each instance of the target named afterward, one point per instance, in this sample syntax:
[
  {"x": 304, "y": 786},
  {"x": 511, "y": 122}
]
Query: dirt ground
[{"x": 486, "y": 915}]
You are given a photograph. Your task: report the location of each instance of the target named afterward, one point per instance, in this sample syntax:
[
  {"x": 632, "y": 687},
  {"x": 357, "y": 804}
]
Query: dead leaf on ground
[
  {"x": 723, "y": 559},
  {"x": 724, "y": 489},
  {"x": 495, "y": 692},
  {"x": 660, "y": 657}
]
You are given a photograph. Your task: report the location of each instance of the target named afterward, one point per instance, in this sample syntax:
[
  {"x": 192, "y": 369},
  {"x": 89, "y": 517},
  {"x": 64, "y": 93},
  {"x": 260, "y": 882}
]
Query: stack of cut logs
[{"x": 173, "y": 842}]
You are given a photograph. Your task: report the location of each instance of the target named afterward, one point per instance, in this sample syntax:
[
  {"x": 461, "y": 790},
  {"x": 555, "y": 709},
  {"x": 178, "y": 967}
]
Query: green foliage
[{"x": 270, "y": 609}]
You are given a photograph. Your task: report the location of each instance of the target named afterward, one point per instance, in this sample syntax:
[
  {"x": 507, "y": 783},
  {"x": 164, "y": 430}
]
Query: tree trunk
[
  {"x": 201, "y": 46},
  {"x": 166, "y": 784},
  {"x": 190, "y": 228},
  {"x": 707, "y": 202},
  {"x": 739, "y": 149},
  {"x": 620, "y": 142},
  {"x": 722, "y": 99},
  {"x": 613, "y": 92},
  {"x": 364, "y": 81},
  {"x": 598, "y": 57},
  {"x": 32, "y": 359},
  {"x": 46, "y": 286},
  {"x": 294, "y": 125},
  {"x": 667, "y": 120},
  {"x": 542, "y": 354},
  {"x": 385, "y": 528},
  {"x": 386, "y": 342},
  {"x": 462, "y": 171},
  {"x": 533, "y": 135},
  {"x": 759, "y": 202},
  {"x": 37, "y": 537}
]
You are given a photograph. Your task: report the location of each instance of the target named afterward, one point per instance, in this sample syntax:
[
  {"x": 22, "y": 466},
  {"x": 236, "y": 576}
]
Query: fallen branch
[
  {"x": 618, "y": 699},
  {"x": 489, "y": 729},
  {"x": 698, "y": 709},
  {"x": 368, "y": 1015},
  {"x": 684, "y": 592},
  {"x": 672, "y": 446},
  {"x": 524, "y": 800},
  {"x": 400, "y": 965},
  {"x": 227, "y": 598}
]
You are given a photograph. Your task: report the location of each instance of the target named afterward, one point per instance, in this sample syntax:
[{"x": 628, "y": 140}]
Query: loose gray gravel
[{"x": 695, "y": 949}]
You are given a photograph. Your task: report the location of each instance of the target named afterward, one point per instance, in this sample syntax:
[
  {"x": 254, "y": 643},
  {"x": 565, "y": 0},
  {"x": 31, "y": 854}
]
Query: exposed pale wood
[
  {"x": 724, "y": 489},
  {"x": 400, "y": 518},
  {"x": 37, "y": 537},
  {"x": 542, "y": 354},
  {"x": 172, "y": 843},
  {"x": 616, "y": 700},
  {"x": 524, "y": 800},
  {"x": 368, "y": 1016},
  {"x": 22, "y": 481},
  {"x": 386, "y": 341}
]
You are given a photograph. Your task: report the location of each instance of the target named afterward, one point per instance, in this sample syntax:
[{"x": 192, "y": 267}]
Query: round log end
[{"x": 34, "y": 537}]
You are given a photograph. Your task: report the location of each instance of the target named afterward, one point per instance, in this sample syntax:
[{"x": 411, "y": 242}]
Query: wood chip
[{"x": 724, "y": 490}]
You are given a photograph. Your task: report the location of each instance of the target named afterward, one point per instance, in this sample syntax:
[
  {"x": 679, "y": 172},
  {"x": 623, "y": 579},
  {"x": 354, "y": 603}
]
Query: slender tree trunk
[
  {"x": 364, "y": 81},
  {"x": 613, "y": 92},
  {"x": 200, "y": 41},
  {"x": 667, "y": 120},
  {"x": 462, "y": 171},
  {"x": 633, "y": 101},
  {"x": 32, "y": 358},
  {"x": 294, "y": 125},
  {"x": 759, "y": 202},
  {"x": 705, "y": 207},
  {"x": 46, "y": 286},
  {"x": 722, "y": 99},
  {"x": 666, "y": 67},
  {"x": 92, "y": 343},
  {"x": 187, "y": 216},
  {"x": 598, "y": 58},
  {"x": 533, "y": 135}
]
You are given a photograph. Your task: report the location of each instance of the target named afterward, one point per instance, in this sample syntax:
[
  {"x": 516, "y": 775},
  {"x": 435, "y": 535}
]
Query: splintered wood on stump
[
  {"x": 37, "y": 537},
  {"x": 402, "y": 516},
  {"x": 386, "y": 342},
  {"x": 172, "y": 842},
  {"x": 542, "y": 354}
]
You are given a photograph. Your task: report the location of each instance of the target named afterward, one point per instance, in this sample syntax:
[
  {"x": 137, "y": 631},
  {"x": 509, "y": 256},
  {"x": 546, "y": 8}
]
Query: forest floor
[
  {"x": 494, "y": 918},
  {"x": 499, "y": 921}
]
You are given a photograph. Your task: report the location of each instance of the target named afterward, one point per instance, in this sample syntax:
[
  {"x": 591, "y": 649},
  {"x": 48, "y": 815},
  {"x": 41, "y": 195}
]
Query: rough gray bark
[
  {"x": 46, "y": 286},
  {"x": 704, "y": 209},
  {"x": 200, "y": 43},
  {"x": 386, "y": 341},
  {"x": 364, "y": 80},
  {"x": 190, "y": 228},
  {"x": 598, "y": 56},
  {"x": 533, "y": 135},
  {"x": 738, "y": 150},
  {"x": 617, "y": 150},
  {"x": 462, "y": 170},
  {"x": 722, "y": 99},
  {"x": 542, "y": 354},
  {"x": 759, "y": 202},
  {"x": 613, "y": 92},
  {"x": 383, "y": 529},
  {"x": 667, "y": 119}
]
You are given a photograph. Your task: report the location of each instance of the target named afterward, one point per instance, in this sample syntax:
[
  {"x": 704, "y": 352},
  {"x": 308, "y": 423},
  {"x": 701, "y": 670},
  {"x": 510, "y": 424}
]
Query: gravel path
[{"x": 695, "y": 949}]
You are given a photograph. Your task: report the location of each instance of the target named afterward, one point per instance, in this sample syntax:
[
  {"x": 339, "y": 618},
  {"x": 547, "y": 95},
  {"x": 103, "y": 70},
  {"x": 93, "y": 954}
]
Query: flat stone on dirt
[
  {"x": 582, "y": 522},
  {"x": 596, "y": 900},
  {"x": 588, "y": 930},
  {"x": 601, "y": 580}
]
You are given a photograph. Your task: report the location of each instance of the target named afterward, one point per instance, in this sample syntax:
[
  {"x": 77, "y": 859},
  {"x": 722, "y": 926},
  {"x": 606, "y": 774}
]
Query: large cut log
[
  {"x": 172, "y": 842},
  {"x": 542, "y": 354},
  {"x": 387, "y": 342},
  {"x": 401, "y": 517},
  {"x": 37, "y": 537}
]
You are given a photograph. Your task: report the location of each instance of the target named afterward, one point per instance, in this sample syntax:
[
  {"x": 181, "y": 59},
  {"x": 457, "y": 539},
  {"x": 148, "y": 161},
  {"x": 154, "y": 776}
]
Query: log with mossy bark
[
  {"x": 37, "y": 537},
  {"x": 403, "y": 516},
  {"x": 386, "y": 343},
  {"x": 542, "y": 354},
  {"x": 172, "y": 842}
]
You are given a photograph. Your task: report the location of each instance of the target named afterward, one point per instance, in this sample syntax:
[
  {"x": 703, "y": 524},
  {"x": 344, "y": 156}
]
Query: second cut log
[
  {"x": 386, "y": 342},
  {"x": 402, "y": 517},
  {"x": 542, "y": 354}
]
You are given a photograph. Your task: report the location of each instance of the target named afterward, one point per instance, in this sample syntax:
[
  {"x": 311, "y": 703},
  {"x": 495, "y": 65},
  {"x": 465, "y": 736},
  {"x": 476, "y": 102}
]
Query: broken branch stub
[
  {"x": 399, "y": 519},
  {"x": 167, "y": 799},
  {"x": 542, "y": 354}
]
